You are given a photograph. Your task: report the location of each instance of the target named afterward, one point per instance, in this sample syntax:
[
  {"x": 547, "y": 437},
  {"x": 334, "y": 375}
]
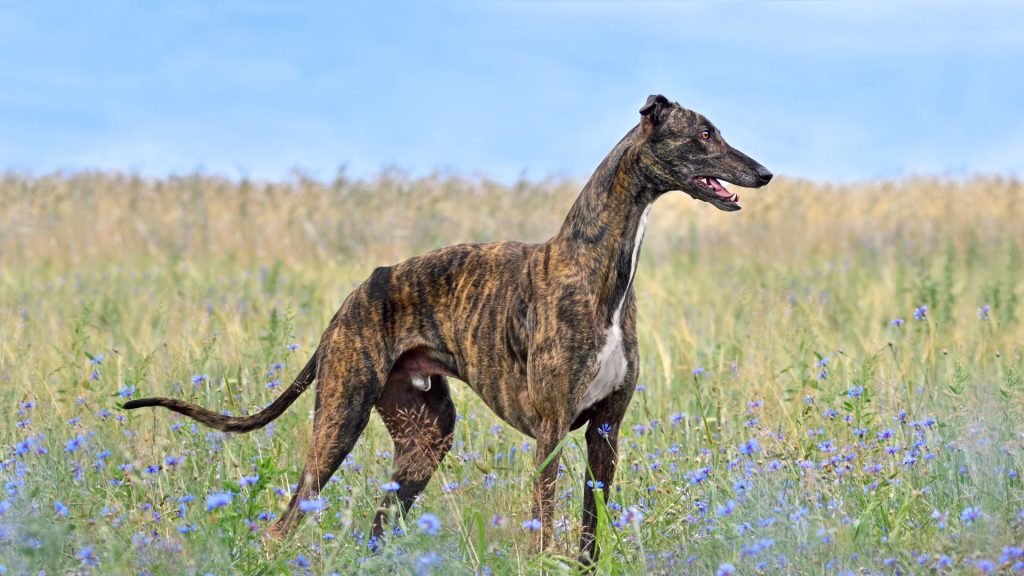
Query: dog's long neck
[{"x": 604, "y": 228}]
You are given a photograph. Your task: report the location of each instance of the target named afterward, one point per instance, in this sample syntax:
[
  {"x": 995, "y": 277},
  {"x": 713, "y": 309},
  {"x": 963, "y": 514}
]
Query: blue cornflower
[
  {"x": 727, "y": 508},
  {"x": 97, "y": 359},
  {"x": 604, "y": 429},
  {"x": 983, "y": 312},
  {"x": 985, "y": 566},
  {"x": 423, "y": 563},
  {"x": 921, "y": 313},
  {"x": 532, "y": 524},
  {"x": 699, "y": 371},
  {"x": 249, "y": 480},
  {"x": 23, "y": 447},
  {"x": 855, "y": 391},
  {"x": 941, "y": 520},
  {"x": 725, "y": 569},
  {"x": 74, "y": 443},
  {"x": 741, "y": 485},
  {"x": 390, "y": 486},
  {"x": 632, "y": 515},
  {"x": 1011, "y": 553},
  {"x": 126, "y": 392},
  {"x": 970, "y": 514},
  {"x": 310, "y": 506},
  {"x": 301, "y": 562},
  {"x": 595, "y": 484},
  {"x": 697, "y": 476},
  {"x": 274, "y": 383},
  {"x": 199, "y": 379},
  {"x": 429, "y": 524},
  {"x": 218, "y": 500},
  {"x": 749, "y": 447},
  {"x": 87, "y": 556},
  {"x": 173, "y": 460},
  {"x": 60, "y": 508},
  {"x": 293, "y": 347},
  {"x": 897, "y": 322}
]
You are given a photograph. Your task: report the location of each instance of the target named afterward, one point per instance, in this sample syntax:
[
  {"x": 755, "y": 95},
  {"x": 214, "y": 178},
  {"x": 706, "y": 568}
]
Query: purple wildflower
[{"x": 429, "y": 524}]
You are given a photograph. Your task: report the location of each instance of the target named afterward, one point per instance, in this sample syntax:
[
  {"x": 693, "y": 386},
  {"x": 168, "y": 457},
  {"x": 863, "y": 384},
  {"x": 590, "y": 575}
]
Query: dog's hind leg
[
  {"x": 345, "y": 397},
  {"x": 421, "y": 423}
]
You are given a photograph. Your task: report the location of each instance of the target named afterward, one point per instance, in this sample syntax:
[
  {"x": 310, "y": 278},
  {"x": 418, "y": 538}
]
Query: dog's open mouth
[{"x": 721, "y": 194}]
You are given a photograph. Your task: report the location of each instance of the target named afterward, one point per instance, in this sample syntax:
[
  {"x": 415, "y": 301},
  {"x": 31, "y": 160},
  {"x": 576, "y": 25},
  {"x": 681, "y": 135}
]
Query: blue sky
[{"x": 837, "y": 90}]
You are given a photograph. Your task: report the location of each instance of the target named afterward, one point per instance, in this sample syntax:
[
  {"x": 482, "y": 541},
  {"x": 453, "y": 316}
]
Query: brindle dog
[{"x": 544, "y": 333}]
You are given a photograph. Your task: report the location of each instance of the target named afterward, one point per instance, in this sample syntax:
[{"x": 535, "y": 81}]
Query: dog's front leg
[
  {"x": 602, "y": 458},
  {"x": 548, "y": 455}
]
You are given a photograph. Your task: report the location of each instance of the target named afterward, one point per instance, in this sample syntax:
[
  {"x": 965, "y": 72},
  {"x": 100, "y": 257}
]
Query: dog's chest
[
  {"x": 611, "y": 370},
  {"x": 611, "y": 358}
]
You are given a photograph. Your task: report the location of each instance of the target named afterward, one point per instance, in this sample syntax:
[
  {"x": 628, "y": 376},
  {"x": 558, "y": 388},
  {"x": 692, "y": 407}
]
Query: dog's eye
[{"x": 705, "y": 135}]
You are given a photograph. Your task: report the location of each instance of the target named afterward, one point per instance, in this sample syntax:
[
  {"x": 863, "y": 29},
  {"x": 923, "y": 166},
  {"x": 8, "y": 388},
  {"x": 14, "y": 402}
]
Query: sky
[{"x": 827, "y": 90}]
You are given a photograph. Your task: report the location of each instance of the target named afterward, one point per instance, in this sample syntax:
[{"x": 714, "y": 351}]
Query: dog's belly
[{"x": 611, "y": 370}]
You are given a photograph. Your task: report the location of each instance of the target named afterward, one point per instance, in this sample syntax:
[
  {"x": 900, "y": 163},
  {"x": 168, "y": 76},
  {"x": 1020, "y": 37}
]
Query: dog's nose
[{"x": 764, "y": 175}]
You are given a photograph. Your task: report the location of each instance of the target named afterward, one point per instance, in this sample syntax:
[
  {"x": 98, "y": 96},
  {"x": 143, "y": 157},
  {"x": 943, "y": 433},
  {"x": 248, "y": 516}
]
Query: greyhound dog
[{"x": 544, "y": 333}]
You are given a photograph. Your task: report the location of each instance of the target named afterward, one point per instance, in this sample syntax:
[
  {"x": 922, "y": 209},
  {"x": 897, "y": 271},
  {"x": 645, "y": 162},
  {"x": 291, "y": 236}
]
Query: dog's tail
[{"x": 235, "y": 423}]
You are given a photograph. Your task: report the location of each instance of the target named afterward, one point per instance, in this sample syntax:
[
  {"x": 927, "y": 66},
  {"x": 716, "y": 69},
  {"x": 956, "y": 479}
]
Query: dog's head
[{"x": 682, "y": 150}]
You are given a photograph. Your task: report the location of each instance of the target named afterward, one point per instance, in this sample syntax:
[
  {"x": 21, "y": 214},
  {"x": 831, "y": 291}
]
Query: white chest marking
[{"x": 611, "y": 359}]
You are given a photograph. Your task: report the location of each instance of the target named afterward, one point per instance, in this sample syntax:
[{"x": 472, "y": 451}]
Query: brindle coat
[{"x": 544, "y": 333}]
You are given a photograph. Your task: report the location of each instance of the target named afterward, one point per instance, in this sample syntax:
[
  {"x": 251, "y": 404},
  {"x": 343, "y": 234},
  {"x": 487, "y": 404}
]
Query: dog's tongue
[{"x": 718, "y": 188}]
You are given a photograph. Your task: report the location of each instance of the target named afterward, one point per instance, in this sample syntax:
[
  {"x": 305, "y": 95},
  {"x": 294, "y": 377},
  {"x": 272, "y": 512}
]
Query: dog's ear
[{"x": 656, "y": 110}]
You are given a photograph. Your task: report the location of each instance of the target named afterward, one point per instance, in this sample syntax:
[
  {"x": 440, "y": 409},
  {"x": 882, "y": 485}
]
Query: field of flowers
[{"x": 831, "y": 380}]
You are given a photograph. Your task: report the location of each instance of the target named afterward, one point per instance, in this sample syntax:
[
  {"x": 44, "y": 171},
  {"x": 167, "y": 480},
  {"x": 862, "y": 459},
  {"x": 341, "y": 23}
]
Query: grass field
[{"x": 800, "y": 413}]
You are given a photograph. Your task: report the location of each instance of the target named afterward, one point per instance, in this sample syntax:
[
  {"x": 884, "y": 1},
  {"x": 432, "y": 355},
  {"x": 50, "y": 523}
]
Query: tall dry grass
[{"x": 70, "y": 220}]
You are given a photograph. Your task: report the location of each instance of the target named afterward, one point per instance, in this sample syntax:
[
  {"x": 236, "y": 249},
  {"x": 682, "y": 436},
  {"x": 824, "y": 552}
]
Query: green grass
[{"x": 196, "y": 276}]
